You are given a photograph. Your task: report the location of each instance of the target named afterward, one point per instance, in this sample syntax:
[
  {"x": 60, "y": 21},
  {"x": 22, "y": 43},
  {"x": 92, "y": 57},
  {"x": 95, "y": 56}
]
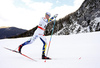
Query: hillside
[
  {"x": 85, "y": 19},
  {"x": 25, "y": 34},
  {"x": 6, "y": 32}
]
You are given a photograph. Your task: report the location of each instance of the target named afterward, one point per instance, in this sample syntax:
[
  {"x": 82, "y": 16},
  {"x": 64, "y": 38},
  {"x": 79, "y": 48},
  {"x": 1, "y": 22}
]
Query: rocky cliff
[{"x": 85, "y": 19}]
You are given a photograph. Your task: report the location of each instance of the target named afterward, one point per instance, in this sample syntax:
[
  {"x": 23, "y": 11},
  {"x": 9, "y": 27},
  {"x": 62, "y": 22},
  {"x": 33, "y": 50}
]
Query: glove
[{"x": 55, "y": 15}]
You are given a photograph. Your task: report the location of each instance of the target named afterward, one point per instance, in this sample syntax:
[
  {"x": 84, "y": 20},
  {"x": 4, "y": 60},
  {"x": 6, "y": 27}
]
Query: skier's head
[{"x": 47, "y": 15}]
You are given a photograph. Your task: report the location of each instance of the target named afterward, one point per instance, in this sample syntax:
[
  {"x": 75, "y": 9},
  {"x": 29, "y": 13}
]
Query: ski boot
[
  {"x": 44, "y": 57},
  {"x": 19, "y": 48}
]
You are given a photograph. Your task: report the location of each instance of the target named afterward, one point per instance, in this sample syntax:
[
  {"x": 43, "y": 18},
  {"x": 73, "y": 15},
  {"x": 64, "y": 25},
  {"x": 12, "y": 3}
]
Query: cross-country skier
[{"x": 40, "y": 33}]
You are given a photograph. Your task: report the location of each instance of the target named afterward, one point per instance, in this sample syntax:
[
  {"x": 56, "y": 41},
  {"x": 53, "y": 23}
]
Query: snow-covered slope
[{"x": 71, "y": 51}]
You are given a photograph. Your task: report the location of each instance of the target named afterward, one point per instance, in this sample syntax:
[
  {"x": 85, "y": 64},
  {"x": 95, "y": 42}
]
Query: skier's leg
[
  {"x": 27, "y": 42},
  {"x": 43, "y": 39},
  {"x": 44, "y": 46},
  {"x": 20, "y": 47}
]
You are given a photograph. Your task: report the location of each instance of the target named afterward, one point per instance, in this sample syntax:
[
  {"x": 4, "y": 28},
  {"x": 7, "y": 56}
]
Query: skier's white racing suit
[
  {"x": 40, "y": 33},
  {"x": 40, "y": 30}
]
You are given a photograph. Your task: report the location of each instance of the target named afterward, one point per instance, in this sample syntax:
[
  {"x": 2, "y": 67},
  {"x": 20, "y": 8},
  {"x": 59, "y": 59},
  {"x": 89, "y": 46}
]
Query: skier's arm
[{"x": 52, "y": 17}]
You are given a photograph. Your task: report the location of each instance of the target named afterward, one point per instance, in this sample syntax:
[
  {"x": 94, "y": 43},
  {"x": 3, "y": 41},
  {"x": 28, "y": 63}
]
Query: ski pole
[{"x": 51, "y": 36}]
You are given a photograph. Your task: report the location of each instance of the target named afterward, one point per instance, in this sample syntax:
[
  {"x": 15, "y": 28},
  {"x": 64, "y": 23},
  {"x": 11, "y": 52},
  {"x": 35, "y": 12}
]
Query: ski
[{"x": 20, "y": 53}]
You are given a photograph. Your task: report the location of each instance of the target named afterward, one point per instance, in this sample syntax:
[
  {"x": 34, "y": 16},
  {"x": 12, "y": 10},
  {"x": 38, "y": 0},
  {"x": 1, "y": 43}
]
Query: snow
[{"x": 67, "y": 51}]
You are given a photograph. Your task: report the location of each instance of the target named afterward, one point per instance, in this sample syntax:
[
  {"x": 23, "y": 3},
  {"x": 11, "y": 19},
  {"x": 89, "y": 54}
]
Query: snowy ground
[{"x": 70, "y": 51}]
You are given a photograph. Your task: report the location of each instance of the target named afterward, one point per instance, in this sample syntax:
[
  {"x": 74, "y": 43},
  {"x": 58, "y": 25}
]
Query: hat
[{"x": 47, "y": 13}]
